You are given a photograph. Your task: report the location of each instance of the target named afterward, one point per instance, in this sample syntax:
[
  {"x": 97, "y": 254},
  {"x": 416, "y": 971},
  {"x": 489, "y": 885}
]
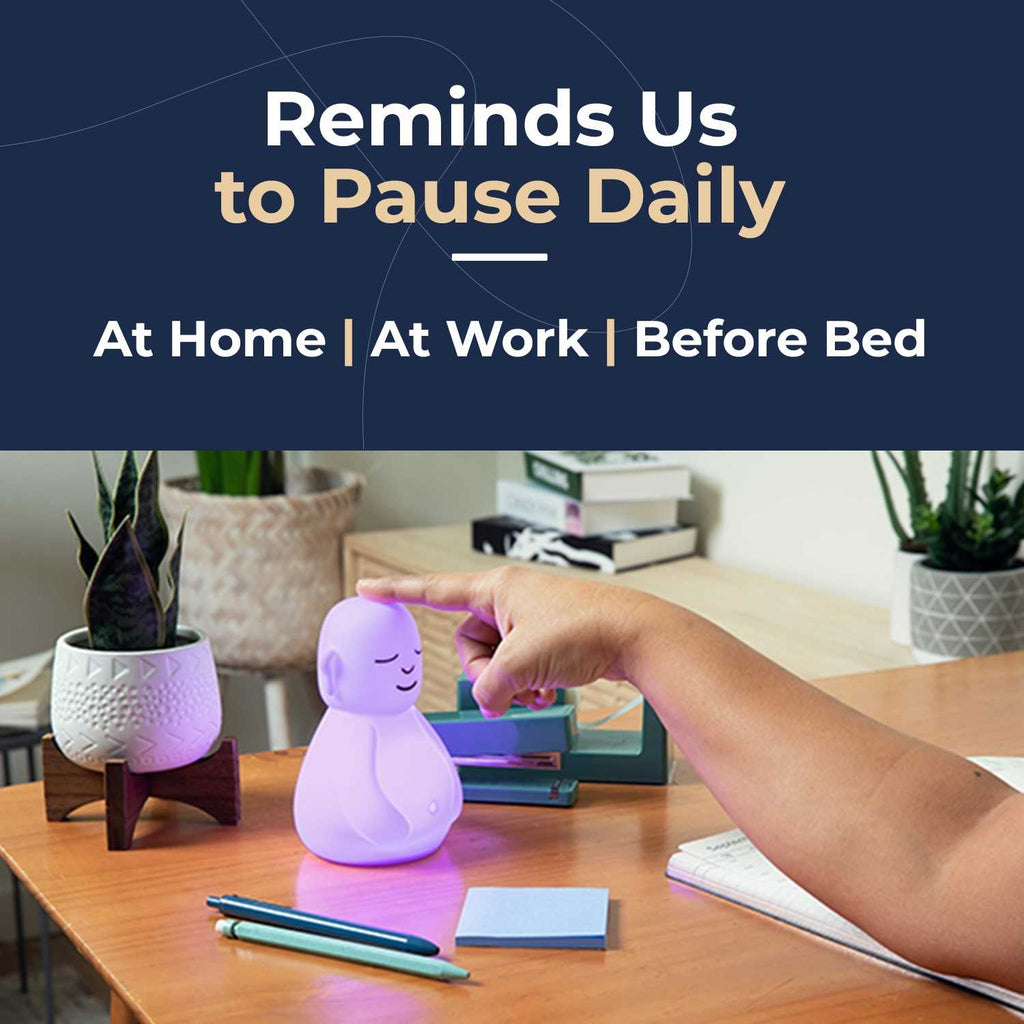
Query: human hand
[{"x": 527, "y": 632}]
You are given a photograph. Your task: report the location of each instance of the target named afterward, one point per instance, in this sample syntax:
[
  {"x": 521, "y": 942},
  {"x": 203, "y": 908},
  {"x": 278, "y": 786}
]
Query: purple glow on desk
[{"x": 424, "y": 898}]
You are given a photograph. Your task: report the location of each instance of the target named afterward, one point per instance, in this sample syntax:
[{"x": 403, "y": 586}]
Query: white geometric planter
[
  {"x": 159, "y": 709},
  {"x": 965, "y": 614}
]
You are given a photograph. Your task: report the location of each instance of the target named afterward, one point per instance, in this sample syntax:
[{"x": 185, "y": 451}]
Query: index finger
[{"x": 449, "y": 592}]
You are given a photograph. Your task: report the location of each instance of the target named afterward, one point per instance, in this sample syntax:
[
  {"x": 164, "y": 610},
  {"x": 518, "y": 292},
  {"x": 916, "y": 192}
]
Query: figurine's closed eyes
[
  {"x": 387, "y": 661},
  {"x": 405, "y": 671}
]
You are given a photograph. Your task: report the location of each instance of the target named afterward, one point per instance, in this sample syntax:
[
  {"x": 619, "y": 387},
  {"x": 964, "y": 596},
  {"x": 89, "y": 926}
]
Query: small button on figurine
[{"x": 377, "y": 785}]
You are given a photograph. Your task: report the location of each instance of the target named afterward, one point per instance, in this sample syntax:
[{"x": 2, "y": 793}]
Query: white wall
[
  {"x": 815, "y": 518},
  {"x": 811, "y": 517},
  {"x": 41, "y": 586},
  {"x": 418, "y": 488}
]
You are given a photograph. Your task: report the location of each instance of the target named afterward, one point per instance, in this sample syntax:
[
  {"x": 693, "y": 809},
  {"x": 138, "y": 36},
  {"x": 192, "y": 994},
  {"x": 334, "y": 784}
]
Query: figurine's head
[{"x": 370, "y": 658}]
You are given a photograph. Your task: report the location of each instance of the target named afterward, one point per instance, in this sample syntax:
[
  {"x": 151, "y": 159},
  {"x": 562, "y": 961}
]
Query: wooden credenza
[{"x": 811, "y": 633}]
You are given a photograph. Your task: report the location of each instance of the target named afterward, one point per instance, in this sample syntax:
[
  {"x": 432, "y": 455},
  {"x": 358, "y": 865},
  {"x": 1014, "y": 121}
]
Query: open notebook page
[{"x": 730, "y": 866}]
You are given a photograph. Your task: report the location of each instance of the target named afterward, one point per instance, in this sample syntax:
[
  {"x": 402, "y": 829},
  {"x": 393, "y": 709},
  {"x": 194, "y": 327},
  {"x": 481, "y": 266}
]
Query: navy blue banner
[{"x": 804, "y": 238}]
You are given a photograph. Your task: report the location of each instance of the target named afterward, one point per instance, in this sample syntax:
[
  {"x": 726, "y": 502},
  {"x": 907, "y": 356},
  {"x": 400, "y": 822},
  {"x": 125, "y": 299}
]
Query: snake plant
[{"x": 123, "y": 606}]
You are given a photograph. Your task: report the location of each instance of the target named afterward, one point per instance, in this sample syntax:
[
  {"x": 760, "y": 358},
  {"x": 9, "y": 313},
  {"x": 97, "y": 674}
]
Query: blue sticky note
[{"x": 534, "y": 918}]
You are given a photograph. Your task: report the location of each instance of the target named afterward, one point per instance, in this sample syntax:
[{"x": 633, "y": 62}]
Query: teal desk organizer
[
  {"x": 466, "y": 733},
  {"x": 540, "y": 757},
  {"x": 622, "y": 755}
]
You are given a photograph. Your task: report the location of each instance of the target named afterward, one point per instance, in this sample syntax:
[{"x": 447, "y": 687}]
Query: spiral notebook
[{"x": 730, "y": 866}]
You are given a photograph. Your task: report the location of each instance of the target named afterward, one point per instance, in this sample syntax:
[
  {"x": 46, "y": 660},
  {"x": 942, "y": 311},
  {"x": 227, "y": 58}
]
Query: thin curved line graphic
[
  {"x": 287, "y": 57},
  {"x": 523, "y": 312},
  {"x": 224, "y": 78},
  {"x": 363, "y": 39},
  {"x": 476, "y": 281},
  {"x": 675, "y": 157},
  {"x": 415, "y": 220}
]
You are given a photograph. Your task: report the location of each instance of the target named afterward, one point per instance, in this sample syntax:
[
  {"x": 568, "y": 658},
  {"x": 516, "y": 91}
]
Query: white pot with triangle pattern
[
  {"x": 158, "y": 709},
  {"x": 965, "y": 614}
]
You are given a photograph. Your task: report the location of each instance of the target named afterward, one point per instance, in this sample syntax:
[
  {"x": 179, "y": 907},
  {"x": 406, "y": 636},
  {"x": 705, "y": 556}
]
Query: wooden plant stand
[{"x": 211, "y": 784}]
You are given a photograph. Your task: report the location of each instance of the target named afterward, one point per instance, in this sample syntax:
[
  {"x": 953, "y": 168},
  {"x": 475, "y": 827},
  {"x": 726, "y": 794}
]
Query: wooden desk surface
[{"x": 675, "y": 954}]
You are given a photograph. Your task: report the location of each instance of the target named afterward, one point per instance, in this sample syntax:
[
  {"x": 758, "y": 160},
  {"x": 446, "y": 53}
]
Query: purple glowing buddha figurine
[{"x": 377, "y": 785}]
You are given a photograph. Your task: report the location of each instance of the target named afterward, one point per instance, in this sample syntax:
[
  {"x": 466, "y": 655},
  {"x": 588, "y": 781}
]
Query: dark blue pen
[{"x": 301, "y": 921}]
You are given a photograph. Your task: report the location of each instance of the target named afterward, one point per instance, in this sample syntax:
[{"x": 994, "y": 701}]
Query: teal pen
[
  {"x": 303, "y": 921},
  {"x": 357, "y": 952}
]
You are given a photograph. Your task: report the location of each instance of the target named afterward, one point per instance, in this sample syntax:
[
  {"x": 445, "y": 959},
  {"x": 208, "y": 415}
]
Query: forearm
[
  {"x": 866, "y": 818},
  {"x": 915, "y": 845}
]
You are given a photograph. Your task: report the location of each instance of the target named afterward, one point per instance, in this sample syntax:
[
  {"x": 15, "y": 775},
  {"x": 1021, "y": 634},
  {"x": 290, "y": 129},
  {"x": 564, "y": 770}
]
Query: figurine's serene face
[{"x": 370, "y": 658}]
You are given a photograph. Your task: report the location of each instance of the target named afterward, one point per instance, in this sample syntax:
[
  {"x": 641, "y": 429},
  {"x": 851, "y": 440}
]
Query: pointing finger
[
  {"x": 475, "y": 641},
  {"x": 455, "y": 591},
  {"x": 505, "y": 679}
]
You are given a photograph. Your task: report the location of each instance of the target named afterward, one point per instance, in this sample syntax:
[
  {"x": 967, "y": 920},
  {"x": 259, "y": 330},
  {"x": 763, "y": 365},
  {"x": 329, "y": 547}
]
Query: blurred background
[{"x": 812, "y": 518}]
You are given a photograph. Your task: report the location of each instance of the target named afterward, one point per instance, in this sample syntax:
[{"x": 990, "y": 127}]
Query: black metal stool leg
[
  {"x": 44, "y": 949},
  {"x": 44, "y": 920},
  {"x": 19, "y": 934},
  {"x": 19, "y": 924}
]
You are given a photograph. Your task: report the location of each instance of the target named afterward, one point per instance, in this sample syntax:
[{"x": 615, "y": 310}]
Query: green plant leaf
[
  {"x": 104, "y": 501},
  {"x": 254, "y": 474},
  {"x": 976, "y": 472},
  {"x": 210, "y": 481},
  {"x": 974, "y": 530},
  {"x": 956, "y": 502},
  {"x": 148, "y": 524},
  {"x": 917, "y": 490},
  {"x": 122, "y": 607},
  {"x": 124, "y": 492},
  {"x": 272, "y": 472},
  {"x": 234, "y": 466},
  {"x": 890, "y": 508},
  {"x": 899, "y": 469},
  {"x": 241, "y": 473},
  {"x": 173, "y": 571},
  {"x": 87, "y": 557}
]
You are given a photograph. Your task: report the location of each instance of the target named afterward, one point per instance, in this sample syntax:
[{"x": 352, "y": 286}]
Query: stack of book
[{"x": 596, "y": 510}]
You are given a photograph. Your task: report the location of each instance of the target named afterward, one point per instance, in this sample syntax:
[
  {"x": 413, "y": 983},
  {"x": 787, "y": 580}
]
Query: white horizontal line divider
[{"x": 499, "y": 257}]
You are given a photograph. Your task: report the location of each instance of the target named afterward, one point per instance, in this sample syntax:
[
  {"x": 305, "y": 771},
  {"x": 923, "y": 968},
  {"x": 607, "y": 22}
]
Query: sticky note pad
[{"x": 534, "y": 918}]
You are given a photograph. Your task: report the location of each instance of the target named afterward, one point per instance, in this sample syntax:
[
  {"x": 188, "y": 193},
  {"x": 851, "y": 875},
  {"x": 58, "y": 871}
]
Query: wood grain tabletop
[{"x": 674, "y": 954}]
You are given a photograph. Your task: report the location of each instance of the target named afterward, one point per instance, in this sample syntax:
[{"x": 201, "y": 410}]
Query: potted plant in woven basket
[
  {"x": 967, "y": 596},
  {"x": 264, "y": 562},
  {"x": 911, "y": 547},
  {"x": 133, "y": 683}
]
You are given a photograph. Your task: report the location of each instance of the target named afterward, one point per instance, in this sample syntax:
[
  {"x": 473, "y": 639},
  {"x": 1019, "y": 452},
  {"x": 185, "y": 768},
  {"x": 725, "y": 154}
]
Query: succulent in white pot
[
  {"x": 133, "y": 683},
  {"x": 967, "y": 596}
]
